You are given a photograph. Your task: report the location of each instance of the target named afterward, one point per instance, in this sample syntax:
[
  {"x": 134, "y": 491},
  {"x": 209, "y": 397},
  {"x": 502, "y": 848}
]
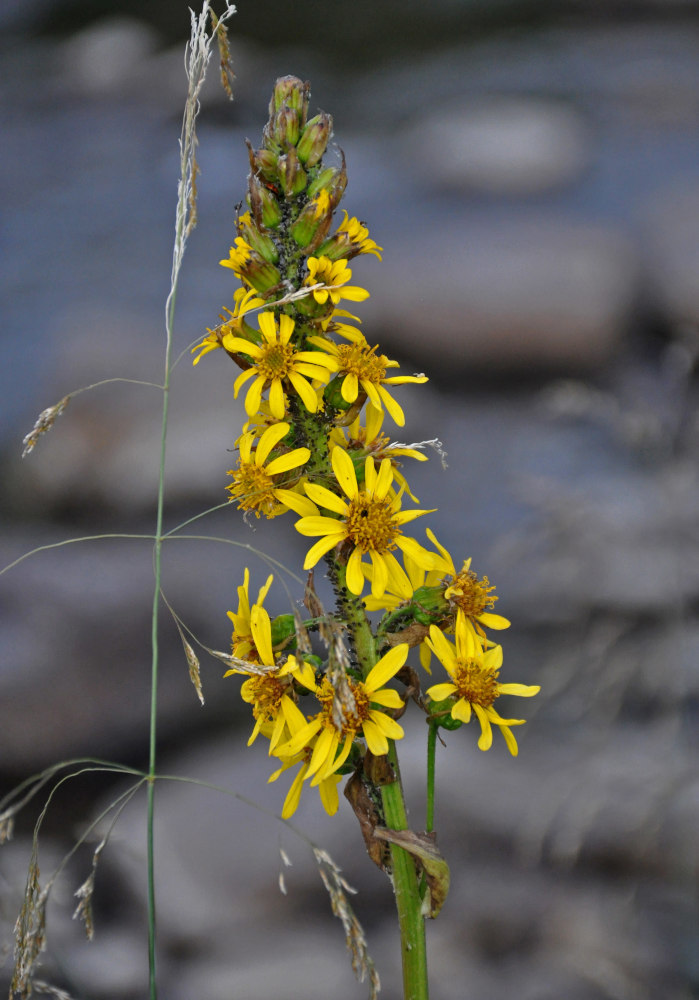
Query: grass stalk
[{"x": 196, "y": 62}]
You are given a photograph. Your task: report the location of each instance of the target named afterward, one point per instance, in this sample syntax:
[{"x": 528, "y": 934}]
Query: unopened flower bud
[
  {"x": 322, "y": 181},
  {"x": 292, "y": 93},
  {"x": 285, "y": 128},
  {"x": 333, "y": 394},
  {"x": 338, "y": 247},
  {"x": 429, "y": 606},
  {"x": 291, "y": 174},
  {"x": 314, "y": 141},
  {"x": 262, "y": 244},
  {"x": 283, "y": 631},
  {"x": 260, "y": 274},
  {"x": 264, "y": 163},
  {"x": 265, "y": 208},
  {"x": 440, "y": 712}
]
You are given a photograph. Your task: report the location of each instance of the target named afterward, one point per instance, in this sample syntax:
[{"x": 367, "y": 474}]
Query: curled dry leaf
[{"x": 424, "y": 849}]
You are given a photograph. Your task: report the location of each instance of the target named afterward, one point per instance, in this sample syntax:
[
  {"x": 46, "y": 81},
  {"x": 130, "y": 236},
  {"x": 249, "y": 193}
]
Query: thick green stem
[
  {"x": 406, "y": 883},
  {"x": 407, "y": 892}
]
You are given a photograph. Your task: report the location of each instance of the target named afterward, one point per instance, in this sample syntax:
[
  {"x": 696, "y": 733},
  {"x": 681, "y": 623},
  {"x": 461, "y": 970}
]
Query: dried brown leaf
[{"x": 423, "y": 847}]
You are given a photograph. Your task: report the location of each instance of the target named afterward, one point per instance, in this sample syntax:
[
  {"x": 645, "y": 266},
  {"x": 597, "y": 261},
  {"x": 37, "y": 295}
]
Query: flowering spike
[{"x": 307, "y": 375}]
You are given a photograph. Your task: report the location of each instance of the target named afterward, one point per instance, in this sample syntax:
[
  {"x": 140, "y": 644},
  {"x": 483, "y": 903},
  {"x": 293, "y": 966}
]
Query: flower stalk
[{"x": 316, "y": 394}]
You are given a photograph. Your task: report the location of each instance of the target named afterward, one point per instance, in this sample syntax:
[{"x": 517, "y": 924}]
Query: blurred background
[{"x": 532, "y": 172}]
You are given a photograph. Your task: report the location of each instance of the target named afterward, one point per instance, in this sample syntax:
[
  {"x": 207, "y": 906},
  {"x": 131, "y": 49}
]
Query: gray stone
[
  {"x": 104, "y": 57},
  {"x": 522, "y": 296},
  {"x": 672, "y": 249},
  {"x": 511, "y": 146}
]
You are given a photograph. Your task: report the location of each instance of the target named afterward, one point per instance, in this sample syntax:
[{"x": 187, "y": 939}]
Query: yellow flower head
[
  {"x": 360, "y": 367},
  {"x": 369, "y": 438},
  {"x": 474, "y": 682},
  {"x": 370, "y": 521},
  {"x": 467, "y": 594},
  {"x": 358, "y": 236},
  {"x": 256, "y": 482},
  {"x": 245, "y": 301},
  {"x": 271, "y": 692},
  {"x": 238, "y": 256},
  {"x": 278, "y": 366},
  {"x": 331, "y": 744},
  {"x": 327, "y": 787},
  {"x": 334, "y": 275},
  {"x": 242, "y": 642}
]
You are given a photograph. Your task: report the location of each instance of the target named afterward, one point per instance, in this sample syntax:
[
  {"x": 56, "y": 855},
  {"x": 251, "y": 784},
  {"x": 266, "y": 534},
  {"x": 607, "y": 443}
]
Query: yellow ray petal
[
  {"x": 389, "y": 665},
  {"x": 344, "y": 472}
]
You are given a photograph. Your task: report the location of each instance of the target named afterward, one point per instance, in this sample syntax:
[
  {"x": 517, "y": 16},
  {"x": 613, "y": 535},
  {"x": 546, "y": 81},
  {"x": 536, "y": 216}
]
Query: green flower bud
[
  {"x": 260, "y": 274},
  {"x": 292, "y": 176},
  {"x": 428, "y": 605},
  {"x": 292, "y": 93},
  {"x": 333, "y": 394},
  {"x": 263, "y": 162},
  {"x": 262, "y": 244},
  {"x": 265, "y": 208},
  {"x": 314, "y": 141},
  {"x": 283, "y": 629},
  {"x": 440, "y": 712},
  {"x": 339, "y": 246},
  {"x": 285, "y": 128},
  {"x": 321, "y": 182}
]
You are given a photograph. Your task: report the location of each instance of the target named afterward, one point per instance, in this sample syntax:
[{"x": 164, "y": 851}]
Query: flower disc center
[
  {"x": 265, "y": 694},
  {"x": 370, "y": 523},
  {"x": 476, "y": 683},
  {"x": 353, "y": 720},
  {"x": 276, "y": 361},
  {"x": 472, "y": 595},
  {"x": 356, "y": 359},
  {"x": 253, "y": 488}
]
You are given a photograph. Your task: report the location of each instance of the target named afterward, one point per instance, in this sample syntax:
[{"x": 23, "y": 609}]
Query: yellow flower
[
  {"x": 358, "y": 236},
  {"x": 255, "y": 484},
  {"x": 466, "y": 593},
  {"x": 363, "y": 368},
  {"x": 242, "y": 642},
  {"x": 332, "y": 274},
  {"x": 331, "y": 745},
  {"x": 370, "y": 439},
  {"x": 245, "y": 301},
  {"x": 321, "y": 204},
  {"x": 474, "y": 681},
  {"x": 327, "y": 788},
  {"x": 238, "y": 257},
  {"x": 369, "y": 523},
  {"x": 463, "y": 592},
  {"x": 271, "y": 693},
  {"x": 276, "y": 365}
]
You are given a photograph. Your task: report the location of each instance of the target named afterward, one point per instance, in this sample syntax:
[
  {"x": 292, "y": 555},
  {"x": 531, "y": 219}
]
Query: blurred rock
[
  {"x": 500, "y": 145},
  {"x": 536, "y": 295},
  {"x": 105, "y": 56},
  {"x": 672, "y": 242}
]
